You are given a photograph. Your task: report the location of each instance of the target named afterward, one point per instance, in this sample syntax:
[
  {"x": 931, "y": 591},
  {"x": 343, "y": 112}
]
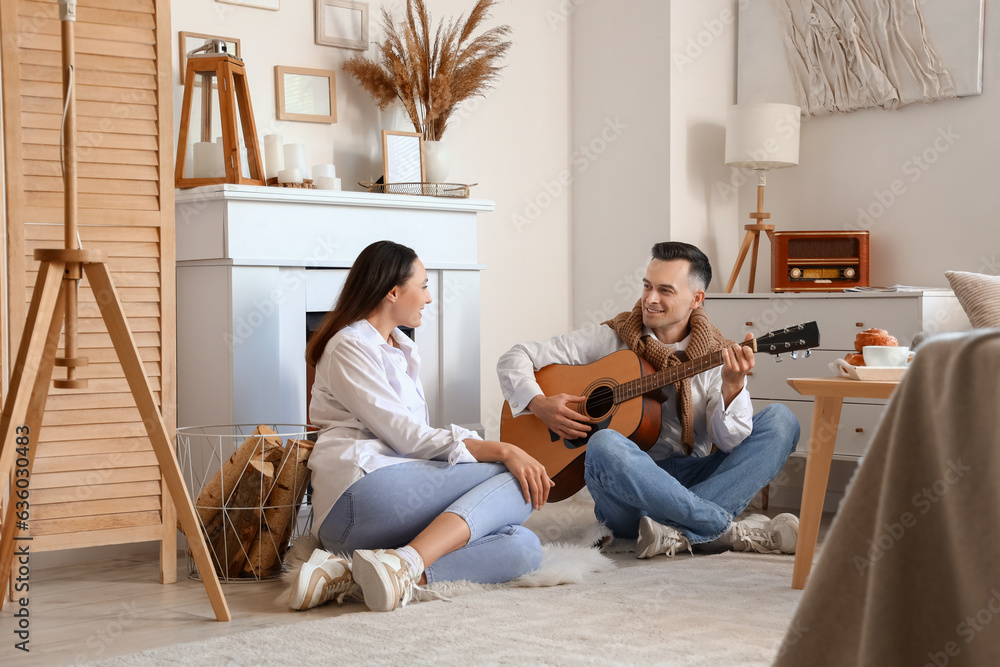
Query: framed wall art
[
  {"x": 342, "y": 23},
  {"x": 306, "y": 94}
]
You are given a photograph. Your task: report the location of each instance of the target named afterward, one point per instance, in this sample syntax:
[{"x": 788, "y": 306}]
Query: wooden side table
[{"x": 829, "y": 394}]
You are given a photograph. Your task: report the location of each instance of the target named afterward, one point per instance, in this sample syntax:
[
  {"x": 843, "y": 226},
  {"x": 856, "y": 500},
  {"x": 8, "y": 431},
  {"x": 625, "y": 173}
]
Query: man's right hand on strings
[{"x": 557, "y": 413}]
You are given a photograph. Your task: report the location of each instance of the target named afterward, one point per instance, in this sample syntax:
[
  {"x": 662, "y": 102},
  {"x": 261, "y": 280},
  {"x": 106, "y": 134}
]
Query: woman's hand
[{"x": 535, "y": 482}]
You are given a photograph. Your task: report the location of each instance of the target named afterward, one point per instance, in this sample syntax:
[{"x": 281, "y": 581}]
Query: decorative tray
[
  {"x": 868, "y": 373},
  {"x": 456, "y": 190}
]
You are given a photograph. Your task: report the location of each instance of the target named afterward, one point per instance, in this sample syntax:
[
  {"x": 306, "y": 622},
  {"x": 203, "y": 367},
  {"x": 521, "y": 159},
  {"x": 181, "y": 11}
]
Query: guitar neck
[{"x": 629, "y": 390}]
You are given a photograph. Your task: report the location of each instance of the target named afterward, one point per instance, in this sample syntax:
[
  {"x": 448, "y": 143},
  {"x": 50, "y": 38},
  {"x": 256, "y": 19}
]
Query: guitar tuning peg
[
  {"x": 795, "y": 354},
  {"x": 778, "y": 359},
  {"x": 808, "y": 354}
]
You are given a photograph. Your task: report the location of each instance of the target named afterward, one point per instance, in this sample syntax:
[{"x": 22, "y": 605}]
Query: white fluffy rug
[{"x": 727, "y": 609}]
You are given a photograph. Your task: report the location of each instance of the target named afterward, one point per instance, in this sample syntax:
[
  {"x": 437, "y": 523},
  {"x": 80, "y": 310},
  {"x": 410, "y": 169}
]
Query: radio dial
[
  {"x": 849, "y": 273},
  {"x": 795, "y": 273}
]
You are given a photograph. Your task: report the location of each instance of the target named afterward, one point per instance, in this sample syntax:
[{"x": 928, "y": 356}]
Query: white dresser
[
  {"x": 256, "y": 264},
  {"x": 840, "y": 317}
]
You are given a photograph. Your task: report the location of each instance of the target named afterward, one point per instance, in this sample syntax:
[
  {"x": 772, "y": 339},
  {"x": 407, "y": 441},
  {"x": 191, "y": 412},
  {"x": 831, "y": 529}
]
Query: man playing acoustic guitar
[{"x": 684, "y": 491}]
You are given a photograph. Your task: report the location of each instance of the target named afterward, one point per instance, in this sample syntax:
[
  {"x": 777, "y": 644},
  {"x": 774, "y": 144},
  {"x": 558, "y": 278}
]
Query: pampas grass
[{"x": 430, "y": 74}]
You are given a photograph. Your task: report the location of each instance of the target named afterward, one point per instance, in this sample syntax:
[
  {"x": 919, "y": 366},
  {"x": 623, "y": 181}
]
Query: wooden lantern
[{"x": 225, "y": 74}]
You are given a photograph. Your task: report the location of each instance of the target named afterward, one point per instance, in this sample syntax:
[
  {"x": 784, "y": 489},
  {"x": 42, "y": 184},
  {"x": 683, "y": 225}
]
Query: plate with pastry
[{"x": 878, "y": 356}]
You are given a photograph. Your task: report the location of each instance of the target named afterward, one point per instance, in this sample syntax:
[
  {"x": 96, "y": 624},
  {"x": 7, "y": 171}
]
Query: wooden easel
[
  {"x": 752, "y": 237},
  {"x": 53, "y": 302}
]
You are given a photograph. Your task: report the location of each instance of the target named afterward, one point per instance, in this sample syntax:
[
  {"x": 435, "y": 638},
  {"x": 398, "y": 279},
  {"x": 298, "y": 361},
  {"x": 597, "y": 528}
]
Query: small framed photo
[
  {"x": 273, "y": 5},
  {"x": 306, "y": 94},
  {"x": 402, "y": 157},
  {"x": 189, "y": 41},
  {"x": 342, "y": 23}
]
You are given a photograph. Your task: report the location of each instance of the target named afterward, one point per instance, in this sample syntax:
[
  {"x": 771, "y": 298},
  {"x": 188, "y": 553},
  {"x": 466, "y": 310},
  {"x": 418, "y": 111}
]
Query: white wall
[
  {"x": 702, "y": 72},
  {"x": 664, "y": 76},
  {"x": 621, "y": 151}
]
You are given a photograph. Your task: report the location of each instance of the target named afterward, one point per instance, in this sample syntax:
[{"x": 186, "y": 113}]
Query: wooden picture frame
[
  {"x": 273, "y": 5},
  {"x": 402, "y": 157},
  {"x": 188, "y": 41},
  {"x": 305, "y": 94},
  {"x": 342, "y": 23}
]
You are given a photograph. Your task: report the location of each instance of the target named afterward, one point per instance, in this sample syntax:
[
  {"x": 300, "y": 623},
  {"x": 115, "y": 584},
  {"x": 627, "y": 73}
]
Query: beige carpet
[{"x": 727, "y": 609}]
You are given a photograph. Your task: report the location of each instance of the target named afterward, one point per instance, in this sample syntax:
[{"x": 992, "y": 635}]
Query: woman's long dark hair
[{"x": 380, "y": 267}]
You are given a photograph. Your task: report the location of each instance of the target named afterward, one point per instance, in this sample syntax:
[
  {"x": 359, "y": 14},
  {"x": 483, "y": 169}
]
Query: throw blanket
[
  {"x": 908, "y": 574},
  {"x": 705, "y": 338}
]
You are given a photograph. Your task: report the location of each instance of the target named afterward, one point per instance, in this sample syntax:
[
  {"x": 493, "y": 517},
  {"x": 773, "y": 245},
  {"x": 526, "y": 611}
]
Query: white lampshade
[{"x": 762, "y": 136}]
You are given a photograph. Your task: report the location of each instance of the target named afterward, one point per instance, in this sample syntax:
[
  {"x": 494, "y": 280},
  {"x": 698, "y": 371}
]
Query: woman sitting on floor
[{"x": 415, "y": 504}]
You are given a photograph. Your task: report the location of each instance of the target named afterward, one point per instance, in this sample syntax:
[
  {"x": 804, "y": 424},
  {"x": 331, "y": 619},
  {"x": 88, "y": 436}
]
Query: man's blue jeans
[
  {"x": 699, "y": 496},
  {"x": 389, "y": 506}
]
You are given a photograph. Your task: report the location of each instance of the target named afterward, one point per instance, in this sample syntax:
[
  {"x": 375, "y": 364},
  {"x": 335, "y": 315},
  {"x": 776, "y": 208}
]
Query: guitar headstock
[{"x": 790, "y": 339}]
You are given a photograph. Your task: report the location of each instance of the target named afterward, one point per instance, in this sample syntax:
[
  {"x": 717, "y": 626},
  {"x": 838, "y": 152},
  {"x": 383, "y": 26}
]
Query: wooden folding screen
[{"x": 96, "y": 479}]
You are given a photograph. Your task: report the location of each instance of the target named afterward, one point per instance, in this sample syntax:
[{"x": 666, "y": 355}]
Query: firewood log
[
  {"x": 210, "y": 500},
  {"x": 242, "y": 518},
  {"x": 281, "y": 510}
]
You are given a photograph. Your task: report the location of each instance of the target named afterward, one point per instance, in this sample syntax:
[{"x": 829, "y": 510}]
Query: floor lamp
[
  {"x": 53, "y": 303},
  {"x": 761, "y": 137}
]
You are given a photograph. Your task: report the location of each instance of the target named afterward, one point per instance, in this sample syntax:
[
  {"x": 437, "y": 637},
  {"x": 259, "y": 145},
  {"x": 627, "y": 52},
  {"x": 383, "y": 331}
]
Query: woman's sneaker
[
  {"x": 322, "y": 578},
  {"x": 385, "y": 578}
]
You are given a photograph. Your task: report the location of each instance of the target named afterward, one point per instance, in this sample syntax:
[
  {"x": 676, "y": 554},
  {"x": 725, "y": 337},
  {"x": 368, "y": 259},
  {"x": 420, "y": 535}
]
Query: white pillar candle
[
  {"x": 336, "y": 184},
  {"x": 327, "y": 170},
  {"x": 295, "y": 157},
  {"x": 325, "y": 183},
  {"x": 274, "y": 156},
  {"x": 290, "y": 176},
  {"x": 208, "y": 160},
  {"x": 244, "y": 161}
]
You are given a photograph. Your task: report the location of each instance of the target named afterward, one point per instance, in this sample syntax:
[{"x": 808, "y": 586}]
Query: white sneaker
[
  {"x": 655, "y": 539},
  {"x": 321, "y": 578},
  {"x": 762, "y": 535},
  {"x": 385, "y": 578}
]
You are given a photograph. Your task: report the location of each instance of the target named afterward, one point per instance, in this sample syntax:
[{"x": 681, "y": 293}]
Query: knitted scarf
[{"x": 705, "y": 338}]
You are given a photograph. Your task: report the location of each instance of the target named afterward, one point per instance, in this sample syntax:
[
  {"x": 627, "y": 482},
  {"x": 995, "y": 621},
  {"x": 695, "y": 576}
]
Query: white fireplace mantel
[{"x": 252, "y": 261}]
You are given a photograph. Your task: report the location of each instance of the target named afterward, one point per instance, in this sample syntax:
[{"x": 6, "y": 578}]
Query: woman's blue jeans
[
  {"x": 390, "y": 506},
  {"x": 698, "y": 495}
]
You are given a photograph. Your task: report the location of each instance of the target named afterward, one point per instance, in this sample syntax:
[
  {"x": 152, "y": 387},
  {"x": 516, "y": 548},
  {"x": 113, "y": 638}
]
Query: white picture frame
[
  {"x": 342, "y": 23},
  {"x": 273, "y": 5},
  {"x": 402, "y": 157}
]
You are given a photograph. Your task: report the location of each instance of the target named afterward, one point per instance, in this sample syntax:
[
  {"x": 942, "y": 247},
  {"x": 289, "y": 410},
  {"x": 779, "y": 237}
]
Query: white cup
[{"x": 885, "y": 355}]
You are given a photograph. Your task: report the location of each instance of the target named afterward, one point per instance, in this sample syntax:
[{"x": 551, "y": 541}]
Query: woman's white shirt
[{"x": 369, "y": 405}]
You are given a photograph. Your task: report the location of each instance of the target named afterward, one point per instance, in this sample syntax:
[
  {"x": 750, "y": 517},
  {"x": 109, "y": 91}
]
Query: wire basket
[
  {"x": 250, "y": 480},
  {"x": 456, "y": 190}
]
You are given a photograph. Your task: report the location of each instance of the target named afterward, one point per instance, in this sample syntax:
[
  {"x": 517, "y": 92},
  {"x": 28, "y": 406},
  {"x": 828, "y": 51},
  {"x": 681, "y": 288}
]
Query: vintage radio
[{"x": 818, "y": 261}]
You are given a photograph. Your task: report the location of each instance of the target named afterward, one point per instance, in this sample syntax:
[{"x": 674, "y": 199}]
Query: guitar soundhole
[{"x": 599, "y": 402}]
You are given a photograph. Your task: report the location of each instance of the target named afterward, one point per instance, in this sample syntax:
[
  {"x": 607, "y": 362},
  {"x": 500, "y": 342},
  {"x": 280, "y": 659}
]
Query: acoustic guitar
[{"x": 618, "y": 390}]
